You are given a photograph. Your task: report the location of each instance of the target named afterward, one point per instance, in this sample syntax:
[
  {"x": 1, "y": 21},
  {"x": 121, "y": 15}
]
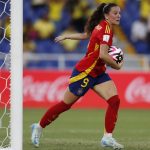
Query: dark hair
[{"x": 97, "y": 16}]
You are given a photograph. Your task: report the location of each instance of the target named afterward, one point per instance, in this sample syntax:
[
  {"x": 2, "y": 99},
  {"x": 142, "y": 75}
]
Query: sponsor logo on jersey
[{"x": 106, "y": 38}]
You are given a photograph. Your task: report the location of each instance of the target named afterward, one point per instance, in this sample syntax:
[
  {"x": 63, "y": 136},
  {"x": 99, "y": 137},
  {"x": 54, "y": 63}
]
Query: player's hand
[
  {"x": 120, "y": 65},
  {"x": 60, "y": 38}
]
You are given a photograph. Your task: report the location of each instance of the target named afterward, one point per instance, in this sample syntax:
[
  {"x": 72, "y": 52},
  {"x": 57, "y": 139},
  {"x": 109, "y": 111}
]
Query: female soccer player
[{"x": 89, "y": 72}]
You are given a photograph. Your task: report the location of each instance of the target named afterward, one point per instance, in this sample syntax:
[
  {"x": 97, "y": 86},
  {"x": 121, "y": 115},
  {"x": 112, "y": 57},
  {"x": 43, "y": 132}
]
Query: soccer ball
[{"x": 116, "y": 54}]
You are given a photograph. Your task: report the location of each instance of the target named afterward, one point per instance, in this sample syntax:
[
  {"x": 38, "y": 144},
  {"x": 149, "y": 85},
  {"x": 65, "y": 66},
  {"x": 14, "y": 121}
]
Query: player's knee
[{"x": 66, "y": 106}]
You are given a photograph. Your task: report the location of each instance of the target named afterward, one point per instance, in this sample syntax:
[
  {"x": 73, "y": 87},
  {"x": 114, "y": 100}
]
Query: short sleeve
[{"x": 105, "y": 35}]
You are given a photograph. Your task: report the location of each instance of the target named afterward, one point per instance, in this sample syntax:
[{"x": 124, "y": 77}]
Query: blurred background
[
  {"x": 47, "y": 67},
  {"x": 46, "y": 19},
  {"x": 47, "y": 61},
  {"x": 43, "y": 20}
]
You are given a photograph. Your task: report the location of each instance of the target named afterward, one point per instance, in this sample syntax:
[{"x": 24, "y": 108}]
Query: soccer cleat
[
  {"x": 36, "y": 134},
  {"x": 111, "y": 142}
]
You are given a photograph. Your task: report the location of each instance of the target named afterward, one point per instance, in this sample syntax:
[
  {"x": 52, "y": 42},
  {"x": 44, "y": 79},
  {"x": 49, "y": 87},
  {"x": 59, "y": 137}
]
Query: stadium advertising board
[{"x": 45, "y": 88}]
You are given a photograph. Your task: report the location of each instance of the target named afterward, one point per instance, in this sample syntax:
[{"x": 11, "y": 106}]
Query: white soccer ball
[{"x": 116, "y": 54}]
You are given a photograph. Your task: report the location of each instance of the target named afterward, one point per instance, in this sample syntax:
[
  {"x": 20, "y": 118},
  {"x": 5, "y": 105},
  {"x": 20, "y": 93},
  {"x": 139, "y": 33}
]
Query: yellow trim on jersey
[
  {"x": 83, "y": 74},
  {"x": 107, "y": 29},
  {"x": 96, "y": 46},
  {"x": 95, "y": 49}
]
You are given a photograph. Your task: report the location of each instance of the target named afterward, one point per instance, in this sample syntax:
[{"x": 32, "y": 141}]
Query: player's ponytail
[{"x": 97, "y": 16}]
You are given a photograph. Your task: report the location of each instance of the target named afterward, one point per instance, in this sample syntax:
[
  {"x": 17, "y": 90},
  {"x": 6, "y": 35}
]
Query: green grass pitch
[{"x": 83, "y": 129}]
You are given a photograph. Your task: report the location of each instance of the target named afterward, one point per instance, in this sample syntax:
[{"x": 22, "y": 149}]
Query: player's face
[{"x": 114, "y": 15}]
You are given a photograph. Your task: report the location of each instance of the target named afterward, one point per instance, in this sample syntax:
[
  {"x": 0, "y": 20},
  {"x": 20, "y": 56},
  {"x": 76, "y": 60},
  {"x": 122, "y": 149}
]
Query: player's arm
[
  {"x": 75, "y": 36},
  {"x": 107, "y": 58}
]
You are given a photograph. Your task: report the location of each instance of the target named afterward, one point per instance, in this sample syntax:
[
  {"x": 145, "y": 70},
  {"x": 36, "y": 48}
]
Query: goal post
[
  {"x": 11, "y": 75},
  {"x": 16, "y": 97}
]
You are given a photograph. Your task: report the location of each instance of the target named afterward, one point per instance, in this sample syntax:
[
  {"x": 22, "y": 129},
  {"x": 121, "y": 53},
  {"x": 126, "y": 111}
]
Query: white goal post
[{"x": 16, "y": 74}]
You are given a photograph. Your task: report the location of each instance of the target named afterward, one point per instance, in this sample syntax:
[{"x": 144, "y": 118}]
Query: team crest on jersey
[
  {"x": 98, "y": 27},
  {"x": 106, "y": 38}
]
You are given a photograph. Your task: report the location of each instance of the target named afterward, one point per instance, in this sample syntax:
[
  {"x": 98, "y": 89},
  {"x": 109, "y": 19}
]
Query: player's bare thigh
[
  {"x": 69, "y": 97},
  {"x": 106, "y": 89}
]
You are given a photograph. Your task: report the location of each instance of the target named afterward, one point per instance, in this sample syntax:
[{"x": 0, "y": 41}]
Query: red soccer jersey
[{"x": 92, "y": 64}]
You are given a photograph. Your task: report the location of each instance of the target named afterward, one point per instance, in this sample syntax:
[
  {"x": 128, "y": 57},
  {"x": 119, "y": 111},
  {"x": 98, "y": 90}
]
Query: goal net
[{"x": 10, "y": 75}]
